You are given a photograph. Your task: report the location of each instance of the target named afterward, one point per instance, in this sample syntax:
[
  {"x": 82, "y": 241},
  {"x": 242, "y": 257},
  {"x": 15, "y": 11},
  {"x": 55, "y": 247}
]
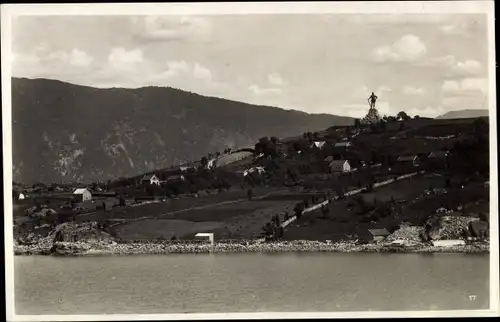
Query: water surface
[{"x": 252, "y": 282}]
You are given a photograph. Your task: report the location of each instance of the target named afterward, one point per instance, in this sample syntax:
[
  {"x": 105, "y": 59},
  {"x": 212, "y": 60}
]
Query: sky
[{"x": 424, "y": 64}]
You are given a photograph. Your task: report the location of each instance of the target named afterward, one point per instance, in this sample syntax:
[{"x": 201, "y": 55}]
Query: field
[
  {"x": 238, "y": 219},
  {"x": 343, "y": 223}
]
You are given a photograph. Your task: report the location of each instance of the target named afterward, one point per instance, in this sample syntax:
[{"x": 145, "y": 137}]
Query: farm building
[
  {"x": 379, "y": 234},
  {"x": 438, "y": 155},
  {"x": 187, "y": 169},
  {"x": 339, "y": 166},
  {"x": 175, "y": 178},
  {"x": 18, "y": 195},
  {"x": 211, "y": 164},
  {"x": 82, "y": 194},
  {"x": 259, "y": 170},
  {"x": 343, "y": 144},
  {"x": 150, "y": 179},
  {"x": 412, "y": 159},
  {"x": 318, "y": 144}
]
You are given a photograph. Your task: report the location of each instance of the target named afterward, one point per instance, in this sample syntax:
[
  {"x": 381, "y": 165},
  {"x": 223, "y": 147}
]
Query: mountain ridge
[
  {"x": 467, "y": 113},
  {"x": 69, "y": 132}
]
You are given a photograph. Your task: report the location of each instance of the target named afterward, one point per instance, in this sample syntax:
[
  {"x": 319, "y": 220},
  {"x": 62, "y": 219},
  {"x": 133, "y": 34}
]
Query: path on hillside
[
  {"x": 349, "y": 193},
  {"x": 174, "y": 212}
]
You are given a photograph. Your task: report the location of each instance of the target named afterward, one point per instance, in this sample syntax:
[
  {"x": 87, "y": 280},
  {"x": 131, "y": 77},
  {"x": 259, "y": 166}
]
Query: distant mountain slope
[
  {"x": 463, "y": 114},
  {"x": 66, "y": 132}
]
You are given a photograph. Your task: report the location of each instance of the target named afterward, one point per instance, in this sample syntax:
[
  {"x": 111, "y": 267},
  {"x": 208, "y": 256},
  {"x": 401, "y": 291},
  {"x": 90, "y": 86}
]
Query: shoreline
[{"x": 164, "y": 248}]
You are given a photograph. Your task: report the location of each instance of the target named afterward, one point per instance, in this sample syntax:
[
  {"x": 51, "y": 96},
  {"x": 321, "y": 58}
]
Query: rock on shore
[{"x": 166, "y": 247}]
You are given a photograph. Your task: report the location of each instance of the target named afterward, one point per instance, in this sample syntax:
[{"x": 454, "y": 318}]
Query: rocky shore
[{"x": 169, "y": 247}]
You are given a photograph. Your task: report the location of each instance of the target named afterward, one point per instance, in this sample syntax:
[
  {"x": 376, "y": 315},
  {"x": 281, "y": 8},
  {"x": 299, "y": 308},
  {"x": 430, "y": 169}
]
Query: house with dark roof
[
  {"x": 379, "y": 235},
  {"x": 150, "y": 179},
  {"x": 339, "y": 166},
  {"x": 343, "y": 144},
  {"x": 438, "y": 155},
  {"x": 409, "y": 159}
]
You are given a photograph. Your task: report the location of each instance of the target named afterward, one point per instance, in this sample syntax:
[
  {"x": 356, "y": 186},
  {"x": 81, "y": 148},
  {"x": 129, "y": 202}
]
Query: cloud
[
  {"x": 462, "y": 28},
  {"x": 170, "y": 28},
  {"x": 121, "y": 58},
  {"x": 45, "y": 63},
  {"x": 202, "y": 73},
  {"x": 467, "y": 86},
  {"x": 257, "y": 90},
  {"x": 453, "y": 67},
  {"x": 410, "y": 90},
  {"x": 408, "y": 48},
  {"x": 275, "y": 79}
]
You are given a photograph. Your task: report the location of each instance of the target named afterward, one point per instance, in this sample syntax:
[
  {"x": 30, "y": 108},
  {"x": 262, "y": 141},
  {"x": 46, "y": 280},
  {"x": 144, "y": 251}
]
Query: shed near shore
[
  {"x": 205, "y": 235},
  {"x": 379, "y": 234}
]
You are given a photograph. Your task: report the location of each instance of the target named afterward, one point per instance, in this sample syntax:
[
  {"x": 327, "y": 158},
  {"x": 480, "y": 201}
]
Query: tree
[
  {"x": 403, "y": 116},
  {"x": 416, "y": 117},
  {"x": 204, "y": 162},
  {"x": 357, "y": 123}
]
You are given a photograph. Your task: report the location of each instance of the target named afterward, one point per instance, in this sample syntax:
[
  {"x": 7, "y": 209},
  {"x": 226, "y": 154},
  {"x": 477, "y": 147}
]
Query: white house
[
  {"x": 150, "y": 179},
  {"x": 340, "y": 166},
  {"x": 21, "y": 196},
  {"x": 259, "y": 170},
  {"x": 318, "y": 144},
  {"x": 212, "y": 164},
  {"x": 343, "y": 144},
  {"x": 82, "y": 194}
]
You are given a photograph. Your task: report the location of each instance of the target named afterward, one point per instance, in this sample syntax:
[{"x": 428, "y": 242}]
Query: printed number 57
[{"x": 472, "y": 297}]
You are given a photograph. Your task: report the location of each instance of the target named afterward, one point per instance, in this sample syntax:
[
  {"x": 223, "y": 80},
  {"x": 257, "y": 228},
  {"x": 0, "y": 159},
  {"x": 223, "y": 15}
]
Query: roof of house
[
  {"x": 338, "y": 163},
  {"x": 175, "y": 177},
  {"x": 438, "y": 154},
  {"x": 328, "y": 158},
  {"x": 343, "y": 143},
  {"x": 407, "y": 158},
  {"x": 319, "y": 144},
  {"x": 79, "y": 191},
  {"x": 379, "y": 232}
]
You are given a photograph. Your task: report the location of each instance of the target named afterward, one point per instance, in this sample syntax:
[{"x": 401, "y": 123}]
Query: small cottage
[
  {"x": 379, "y": 235},
  {"x": 318, "y": 144},
  {"x": 339, "y": 166},
  {"x": 82, "y": 194},
  {"x": 175, "y": 178},
  {"x": 343, "y": 144},
  {"x": 409, "y": 159},
  {"x": 150, "y": 179},
  {"x": 438, "y": 155}
]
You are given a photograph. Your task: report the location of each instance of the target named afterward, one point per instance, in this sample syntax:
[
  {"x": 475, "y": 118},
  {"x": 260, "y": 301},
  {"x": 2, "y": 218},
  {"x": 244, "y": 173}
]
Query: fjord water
[{"x": 250, "y": 282}]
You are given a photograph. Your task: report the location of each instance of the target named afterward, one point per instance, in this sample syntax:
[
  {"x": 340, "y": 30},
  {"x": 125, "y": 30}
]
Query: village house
[
  {"x": 150, "y": 179},
  {"x": 343, "y": 144},
  {"x": 211, "y": 164},
  {"x": 187, "y": 169},
  {"x": 174, "y": 178},
  {"x": 82, "y": 194},
  {"x": 318, "y": 144},
  {"x": 379, "y": 235},
  {"x": 409, "y": 159},
  {"x": 438, "y": 155},
  {"x": 339, "y": 166},
  {"x": 18, "y": 195}
]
